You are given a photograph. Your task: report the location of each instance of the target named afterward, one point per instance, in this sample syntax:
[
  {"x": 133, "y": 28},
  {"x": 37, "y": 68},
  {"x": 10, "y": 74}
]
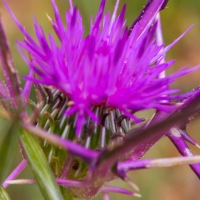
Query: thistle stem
[
  {"x": 12, "y": 80},
  {"x": 156, "y": 163}
]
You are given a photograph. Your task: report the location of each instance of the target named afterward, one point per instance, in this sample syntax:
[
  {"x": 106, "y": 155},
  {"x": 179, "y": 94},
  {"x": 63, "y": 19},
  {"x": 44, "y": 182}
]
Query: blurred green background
[{"x": 178, "y": 183}]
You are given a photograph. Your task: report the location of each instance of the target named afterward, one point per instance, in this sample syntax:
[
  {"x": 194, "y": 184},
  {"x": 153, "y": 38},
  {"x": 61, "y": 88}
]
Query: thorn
[
  {"x": 197, "y": 145},
  {"x": 137, "y": 195},
  {"x": 21, "y": 182},
  {"x": 132, "y": 184},
  {"x": 49, "y": 18}
]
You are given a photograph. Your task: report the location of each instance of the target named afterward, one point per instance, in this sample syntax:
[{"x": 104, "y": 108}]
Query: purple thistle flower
[
  {"x": 111, "y": 67},
  {"x": 89, "y": 91}
]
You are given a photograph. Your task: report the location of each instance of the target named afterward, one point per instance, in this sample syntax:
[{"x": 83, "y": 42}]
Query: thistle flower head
[
  {"x": 90, "y": 88},
  {"x": 113, "y": 67}
]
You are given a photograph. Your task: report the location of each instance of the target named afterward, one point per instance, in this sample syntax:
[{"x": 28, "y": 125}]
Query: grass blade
[{"x": 40, "y": 167}]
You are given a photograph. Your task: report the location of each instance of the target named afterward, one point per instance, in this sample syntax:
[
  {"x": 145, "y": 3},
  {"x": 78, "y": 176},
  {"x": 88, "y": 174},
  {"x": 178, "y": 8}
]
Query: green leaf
[
  {"x": 3, "y": 194},
  {"x": 40, "y": 167},
  {"x": 7, "y": 149}
]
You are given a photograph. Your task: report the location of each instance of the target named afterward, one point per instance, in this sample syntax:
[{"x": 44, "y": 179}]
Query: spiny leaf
[{"x": 188, "y": 111}]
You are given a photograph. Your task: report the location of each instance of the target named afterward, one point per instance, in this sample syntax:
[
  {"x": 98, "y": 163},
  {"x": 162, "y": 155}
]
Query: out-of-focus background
[{"x": 178, "y": 183}]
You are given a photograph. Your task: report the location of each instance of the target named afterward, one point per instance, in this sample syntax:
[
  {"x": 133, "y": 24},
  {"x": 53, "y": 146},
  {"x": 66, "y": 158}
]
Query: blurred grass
[{"x": 177, "y": 183}]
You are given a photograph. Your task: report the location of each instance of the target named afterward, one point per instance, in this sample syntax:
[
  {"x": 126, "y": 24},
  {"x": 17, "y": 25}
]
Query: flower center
[{"x": 108, "y": 133}]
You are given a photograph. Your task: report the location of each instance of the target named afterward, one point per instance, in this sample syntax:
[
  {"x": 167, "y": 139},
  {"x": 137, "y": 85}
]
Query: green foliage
[{"x": 40, "y": 167}]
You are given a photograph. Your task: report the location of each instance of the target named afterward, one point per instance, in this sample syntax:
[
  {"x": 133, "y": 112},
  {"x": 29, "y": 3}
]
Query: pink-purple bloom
[
  {"x": 111, "y": 67},
  {"x": 90, "y": 89}
]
